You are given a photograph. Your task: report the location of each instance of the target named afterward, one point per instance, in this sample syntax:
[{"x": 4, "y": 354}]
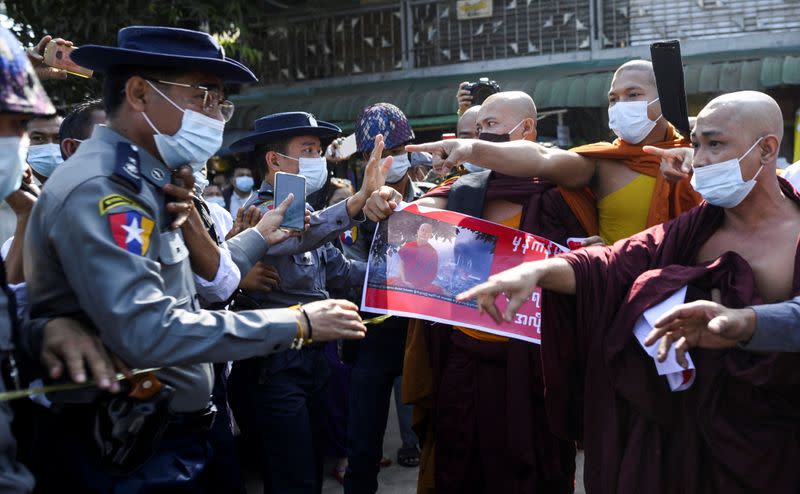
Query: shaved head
[
  {"x": 753, "y": 113},
  {"x": 732, "y": 124},
  {"x": 515, "y": 104},
  {"x": 467, "y": 124},
  {"x": 643, "y": 67},
  {"x": 508, "y": 112}
]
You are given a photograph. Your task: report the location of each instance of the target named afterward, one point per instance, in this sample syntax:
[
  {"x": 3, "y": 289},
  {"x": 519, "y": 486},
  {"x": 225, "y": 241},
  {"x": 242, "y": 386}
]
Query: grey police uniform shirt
[
  {"x": 777, "y": 327},
  {"x": 14, "y": 477},
  {"x": 98, "y": 247},
  {"x": 307, "y": 276}
]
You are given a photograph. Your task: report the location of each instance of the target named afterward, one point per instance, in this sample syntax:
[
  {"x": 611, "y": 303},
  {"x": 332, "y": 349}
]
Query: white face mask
[
  {"x": 200, "y": 181},
  {"x": 473, "y": 168},
  {"x": 198, "y": 138},
  {"x": 721, "y": 184},
  {"x": 315, "y": 170},
  {"x": 629, "y": 120},
  {"x": 44, "y": 158},
  {"x": 399, "y": 168},
  {"x": 13, "y": 151},
  {"x": 218, "y": 200}
]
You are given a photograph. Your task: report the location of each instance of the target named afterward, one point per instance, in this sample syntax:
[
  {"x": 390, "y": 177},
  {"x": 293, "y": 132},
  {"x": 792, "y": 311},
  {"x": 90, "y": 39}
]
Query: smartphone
[
  {"x": 668, "y": 68},
  {"x": 289, "y": 183},
  {"x": 57, "y": 56}
]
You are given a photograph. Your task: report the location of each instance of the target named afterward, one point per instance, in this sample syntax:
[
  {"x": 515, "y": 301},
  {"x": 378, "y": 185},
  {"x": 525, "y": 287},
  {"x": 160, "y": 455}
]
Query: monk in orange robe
[{"x": 616, "y": 188}]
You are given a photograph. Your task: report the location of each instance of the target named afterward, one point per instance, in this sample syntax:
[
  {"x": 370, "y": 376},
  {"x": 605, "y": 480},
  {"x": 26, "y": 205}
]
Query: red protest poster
[{"x": 421, "y": 258}]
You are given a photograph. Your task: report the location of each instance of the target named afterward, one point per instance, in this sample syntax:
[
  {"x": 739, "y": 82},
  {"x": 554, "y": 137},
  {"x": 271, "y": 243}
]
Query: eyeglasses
[{"x": 213, "y": 99}]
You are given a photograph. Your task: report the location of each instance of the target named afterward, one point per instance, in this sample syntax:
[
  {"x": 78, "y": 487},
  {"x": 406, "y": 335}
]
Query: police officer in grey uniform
[
  {"x": 279, "y": 400},
  {"x": 104, "y": 248}
]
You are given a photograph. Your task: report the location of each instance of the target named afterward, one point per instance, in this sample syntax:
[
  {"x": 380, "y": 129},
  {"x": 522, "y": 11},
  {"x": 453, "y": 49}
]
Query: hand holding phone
[
  {"x": 58, "y": 56},
  {"x": 285, "y": 184}
]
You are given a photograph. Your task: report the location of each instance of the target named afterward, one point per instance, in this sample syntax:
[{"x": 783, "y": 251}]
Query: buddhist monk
[
  {"x": 736, "y": 428},
  {"x": 486, "y": 392},
  {"x": 616, "y": 188}
]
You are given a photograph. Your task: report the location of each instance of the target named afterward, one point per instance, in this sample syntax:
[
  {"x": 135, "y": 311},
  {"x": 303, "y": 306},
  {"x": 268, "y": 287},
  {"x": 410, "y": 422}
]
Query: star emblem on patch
[
  {"x": 349, "y": 237},
  {"x": 131, "y": 230}
]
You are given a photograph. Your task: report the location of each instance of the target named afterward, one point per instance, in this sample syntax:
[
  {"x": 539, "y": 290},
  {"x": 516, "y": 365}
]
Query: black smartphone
[
  {"x": 668, "y": 67},
  {"x": 289, "y": 183}
]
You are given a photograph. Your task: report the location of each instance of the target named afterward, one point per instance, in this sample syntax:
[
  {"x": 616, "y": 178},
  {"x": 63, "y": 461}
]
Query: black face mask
[{"x": 487, "y": 136}]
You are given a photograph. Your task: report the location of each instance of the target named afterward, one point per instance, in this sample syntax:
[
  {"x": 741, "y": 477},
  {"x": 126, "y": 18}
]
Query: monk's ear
[
  {"x": 769, "y": 149},
  {"x": 529, "y": 129}
]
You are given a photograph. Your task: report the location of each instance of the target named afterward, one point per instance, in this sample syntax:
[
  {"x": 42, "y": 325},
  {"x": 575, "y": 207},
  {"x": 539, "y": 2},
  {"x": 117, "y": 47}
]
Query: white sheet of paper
[{"x": 670, "y": 367}]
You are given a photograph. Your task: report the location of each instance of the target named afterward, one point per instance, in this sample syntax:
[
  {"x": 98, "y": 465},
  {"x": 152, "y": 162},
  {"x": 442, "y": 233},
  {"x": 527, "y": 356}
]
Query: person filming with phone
[{"x": 279, "y": 400}]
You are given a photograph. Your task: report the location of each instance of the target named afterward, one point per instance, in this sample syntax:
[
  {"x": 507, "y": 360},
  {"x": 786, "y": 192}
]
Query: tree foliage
[{"x": 234, "y": 23}]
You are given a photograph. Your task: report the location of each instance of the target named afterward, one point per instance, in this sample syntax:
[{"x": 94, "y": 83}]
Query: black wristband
[{"x": 308, "y": 323}]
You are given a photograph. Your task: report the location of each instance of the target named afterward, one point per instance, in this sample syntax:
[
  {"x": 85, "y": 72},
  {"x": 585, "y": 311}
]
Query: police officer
[
  {"x": 379, "y": 359},
  {"x": 104, "y": 247},
  {"x": 57, "y": 341},
  {"x": 278, "y": 401}
]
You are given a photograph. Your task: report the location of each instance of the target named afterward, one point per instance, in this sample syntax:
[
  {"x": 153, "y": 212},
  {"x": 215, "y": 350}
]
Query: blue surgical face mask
[
  {"x": 44, "y": 158},
  {"x": 244, "y": 183},
  {"x": 13, "y": 151},
  {"x": 315, "y": 170},
  {"x": 399, "y": 168},
  {"x": 721, "y": 184},
  {"x": 218, "y": 200},
  {"x": 198, "y": 138}
]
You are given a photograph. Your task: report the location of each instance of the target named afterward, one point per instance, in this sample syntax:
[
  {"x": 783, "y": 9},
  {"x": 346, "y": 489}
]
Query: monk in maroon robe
[
  {"x": 487, "y": 429},
  {"x": 737, "y": 428}
]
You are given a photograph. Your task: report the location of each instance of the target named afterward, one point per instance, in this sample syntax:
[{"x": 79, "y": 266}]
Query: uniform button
[{"x": 277, "y": 347}]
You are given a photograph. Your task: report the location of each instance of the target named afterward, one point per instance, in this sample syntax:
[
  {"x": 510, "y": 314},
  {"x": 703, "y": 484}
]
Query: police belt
[{"x": 200, "y": 421}]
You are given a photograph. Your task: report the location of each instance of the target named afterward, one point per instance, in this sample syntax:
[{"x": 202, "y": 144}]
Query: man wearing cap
[
  {"x": 106, "y": 249},
  {"x": 379, "y": 358},
  {"x": 56, "y": 341},
  {"x": 279, "y": 399}
]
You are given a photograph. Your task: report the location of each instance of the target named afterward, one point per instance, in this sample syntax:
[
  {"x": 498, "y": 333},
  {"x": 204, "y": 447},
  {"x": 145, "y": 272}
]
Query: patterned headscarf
[
  {"x": 20, "y": 89},
  {"x": 382, "y": 118}
]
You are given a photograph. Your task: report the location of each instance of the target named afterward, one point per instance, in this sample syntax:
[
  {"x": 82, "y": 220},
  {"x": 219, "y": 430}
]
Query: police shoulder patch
[
  {"x": 131, "y": 230},
  {"x": 266, "y": 206},
  {"x": 112, "y": 201},
  {"x": 349, "y": 237}
]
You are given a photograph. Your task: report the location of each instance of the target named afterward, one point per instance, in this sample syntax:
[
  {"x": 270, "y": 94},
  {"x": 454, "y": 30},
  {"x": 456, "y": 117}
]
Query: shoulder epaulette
[{"x": 126, "y": 167}]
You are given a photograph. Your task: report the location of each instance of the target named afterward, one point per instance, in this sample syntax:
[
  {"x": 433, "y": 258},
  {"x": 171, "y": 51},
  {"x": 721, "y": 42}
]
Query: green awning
[{"x": 430, "y": 102}]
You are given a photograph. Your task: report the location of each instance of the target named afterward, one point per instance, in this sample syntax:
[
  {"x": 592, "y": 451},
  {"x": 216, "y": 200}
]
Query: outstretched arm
[
  {"x": 517, "y": 159},
  {"x": 518, "y": 284}
]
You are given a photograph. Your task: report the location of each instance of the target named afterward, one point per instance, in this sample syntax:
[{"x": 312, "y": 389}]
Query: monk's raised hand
[
  {"x": 517, "y": 284},
  {"x": 676, "y": 163},
  {"x": 446, "y": 154}
]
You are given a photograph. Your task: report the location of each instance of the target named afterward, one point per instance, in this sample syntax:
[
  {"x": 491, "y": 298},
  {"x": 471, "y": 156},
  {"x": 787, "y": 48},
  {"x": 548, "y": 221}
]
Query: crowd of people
[{"x": 183, "y": 333}]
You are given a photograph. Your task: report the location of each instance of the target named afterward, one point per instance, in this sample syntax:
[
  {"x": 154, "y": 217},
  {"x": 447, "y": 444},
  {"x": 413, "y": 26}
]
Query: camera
[{"x": 482, "y": 89}]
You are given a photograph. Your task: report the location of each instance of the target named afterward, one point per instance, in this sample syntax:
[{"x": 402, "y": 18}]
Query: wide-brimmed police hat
[
  {"x": 167, "y": 47},
  {"x": 20, "y": 89},
  {"x": 279, "y": 126}
]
